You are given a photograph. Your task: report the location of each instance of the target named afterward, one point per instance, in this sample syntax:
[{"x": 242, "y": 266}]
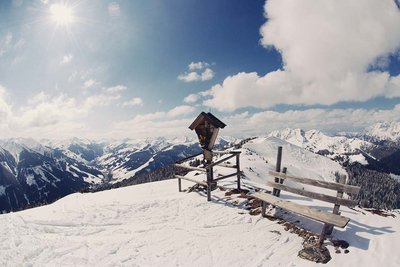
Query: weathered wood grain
[
  {"x": 351, "y": 189},
  {"x": 326, "y": 198},
  {"x": 308, "y": 212}
]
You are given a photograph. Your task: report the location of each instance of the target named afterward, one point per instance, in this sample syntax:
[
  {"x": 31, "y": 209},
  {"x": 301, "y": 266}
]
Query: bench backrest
[{"x": 339, "y": 187}]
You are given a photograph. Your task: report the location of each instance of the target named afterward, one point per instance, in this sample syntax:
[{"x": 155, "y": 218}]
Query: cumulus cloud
[
  {"x": 198, "y": 71},
  {"x": 45, "y": 117},
  {"x": 136, "y": 101},
  {"x": 198, "y": 65},
  {"x": 116, "y": 89},
  {"x": 114, "y": 9},
  {"x": 5, "y": 107},
  {"x": 66, "y": 59},
  {"x": 192, "y": 98},
  {"x": 52, "y": 116},
  {"x": 327, "y": 48},
  {"x": 331, "y": 121},
  {"x": 89, "y": 84},
  {"x": 5, "y": 43},
  {"x": 162, "y": 123}
]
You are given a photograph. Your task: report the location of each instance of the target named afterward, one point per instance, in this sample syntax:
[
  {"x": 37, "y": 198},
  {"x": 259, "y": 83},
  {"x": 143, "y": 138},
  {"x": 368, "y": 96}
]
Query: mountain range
[
  {"x": 33, "y": 172},
  {"x": 377, "y": 148}
]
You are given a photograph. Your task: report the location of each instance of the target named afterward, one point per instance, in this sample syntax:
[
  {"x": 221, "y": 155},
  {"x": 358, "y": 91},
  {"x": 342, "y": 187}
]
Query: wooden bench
[{"x": 328, "y": 219}]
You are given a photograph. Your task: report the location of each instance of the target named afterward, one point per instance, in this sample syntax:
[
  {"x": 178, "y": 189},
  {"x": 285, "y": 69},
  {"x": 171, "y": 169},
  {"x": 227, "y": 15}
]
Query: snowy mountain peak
[
  {"x": 335, "y": 147},
  {"x": 385, "y": 131},
  {"x": 293, "y": 136}
]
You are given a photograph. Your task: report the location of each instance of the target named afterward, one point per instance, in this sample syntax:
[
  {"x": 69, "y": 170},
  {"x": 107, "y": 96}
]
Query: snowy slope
[
  {"x": 154, "y": 225},
  {"x": 298, "y": 160}
]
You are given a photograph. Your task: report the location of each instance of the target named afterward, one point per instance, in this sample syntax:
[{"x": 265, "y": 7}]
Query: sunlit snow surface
[{"x": 155, "y": 225}]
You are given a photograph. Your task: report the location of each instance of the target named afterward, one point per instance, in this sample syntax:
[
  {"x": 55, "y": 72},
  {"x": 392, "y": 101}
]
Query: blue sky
[{"x": 102, "y": 69}]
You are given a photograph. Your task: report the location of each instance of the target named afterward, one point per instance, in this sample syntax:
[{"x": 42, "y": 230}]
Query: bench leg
[
  {"x": 263, "y": 208},
  {"x": 179, "y": 185},
  {"x": 323, "y": 233}
]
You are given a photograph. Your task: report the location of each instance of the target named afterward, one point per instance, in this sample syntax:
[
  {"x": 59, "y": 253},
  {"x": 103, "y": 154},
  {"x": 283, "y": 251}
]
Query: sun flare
[{"x": 61, "y": 14}]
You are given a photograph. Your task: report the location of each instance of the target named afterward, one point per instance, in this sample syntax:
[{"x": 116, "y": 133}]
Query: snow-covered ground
[{"x": 155, "y": 225}]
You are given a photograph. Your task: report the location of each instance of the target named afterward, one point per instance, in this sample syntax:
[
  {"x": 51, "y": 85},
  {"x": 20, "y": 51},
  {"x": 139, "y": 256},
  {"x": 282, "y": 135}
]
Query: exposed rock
[
  {"x": 319, "y": 254},
  {"x": 340, "y": 243}
]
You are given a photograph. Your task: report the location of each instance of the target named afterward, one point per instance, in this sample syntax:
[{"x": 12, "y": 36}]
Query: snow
[
  {"x": 396, "y": 177},
  {"x": 2, "y": 190},
  {"x": 155, "y": 225},
  {"x": 385, "y": 131},
  {"x": 315, "y": 140},
  {"x": 30, "y": 179},
  {"x": 358, "y": 158},
  {"x": 298, "y": 160}
]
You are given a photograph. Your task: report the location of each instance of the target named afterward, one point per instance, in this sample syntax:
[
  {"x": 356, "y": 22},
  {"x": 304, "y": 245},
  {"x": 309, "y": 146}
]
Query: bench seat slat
[{"x": 312, "y": 213}]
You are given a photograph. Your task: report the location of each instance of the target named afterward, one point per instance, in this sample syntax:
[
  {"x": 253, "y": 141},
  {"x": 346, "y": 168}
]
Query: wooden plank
[
  {"x": 351, "y": 189},
  {"x": 308, "y": 212},
  {"x": 326, "y": 198},
  {"x": 220, "y": 161},
  {"x": 226, "y": 152},
  {"x": 191, "y": 168},
  {"x": 227, "y": 165},
  {"x": 190, "y": 157},
  {"x": 191, "y": 180},
  {"x": 227, "y": 176}
]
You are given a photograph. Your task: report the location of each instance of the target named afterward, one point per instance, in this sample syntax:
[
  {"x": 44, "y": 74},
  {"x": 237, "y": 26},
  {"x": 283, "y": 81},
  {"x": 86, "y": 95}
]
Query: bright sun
[{"x": 61, "y": 14}]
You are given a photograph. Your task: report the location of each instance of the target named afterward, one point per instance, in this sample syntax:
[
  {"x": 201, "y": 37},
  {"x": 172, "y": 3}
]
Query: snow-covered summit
[
  {"x": 385, "y": 131},
  {"x": 318, "y": 142}
]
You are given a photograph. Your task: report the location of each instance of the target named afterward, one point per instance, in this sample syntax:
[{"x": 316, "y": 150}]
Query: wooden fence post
[
  {"x": 238, "y": 170},
  {"x": 275, "y": 191}
]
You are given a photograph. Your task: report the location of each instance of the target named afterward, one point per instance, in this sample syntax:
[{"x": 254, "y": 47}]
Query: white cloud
[
  {"x": 116, "y": 89},
  {"x": 163, "y": 123},
  {"x": 5, "y": 43},
  {"x": 332, "y": 121},
  {"x": 198, "y": 65},
  {"x": 89, "y": 84},
  {"x": 5, "y": 107},
  {"x": 180, "y": 110},
  {"x": 327, "y": 48},
  {"x": 49, "y": 113},
  {"x": 39, "y": 98},
  {"x": 198, "y": 72},
  {"x": 207, "y": 74},
  {"x": 114, "y": 10},
  {"x": 189, "y": 77},
  {"x": 106, "y": 97},
  {"x": 66, "y": 59},
  {"x": 100, "y": 100},
  {"x": 136, "y": 101},
  {"x": 192, "y": 98}
]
